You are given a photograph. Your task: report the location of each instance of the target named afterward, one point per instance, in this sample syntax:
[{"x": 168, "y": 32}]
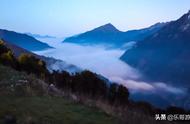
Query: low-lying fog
[{"x": 106, "y": 62}]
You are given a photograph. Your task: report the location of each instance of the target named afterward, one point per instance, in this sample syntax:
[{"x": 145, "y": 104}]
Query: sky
[{"x": 63, "y": 18}]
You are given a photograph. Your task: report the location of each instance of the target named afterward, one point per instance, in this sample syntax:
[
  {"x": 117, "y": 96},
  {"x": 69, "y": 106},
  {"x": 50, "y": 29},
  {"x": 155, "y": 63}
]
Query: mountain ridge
[
  {"x": 110, "y": 35},
  {"x": 23, "y": 40},
  {"x": 107, "y": 28},
  {"x": 39, "y": 35},
  {"x": 163, "y": 56}
]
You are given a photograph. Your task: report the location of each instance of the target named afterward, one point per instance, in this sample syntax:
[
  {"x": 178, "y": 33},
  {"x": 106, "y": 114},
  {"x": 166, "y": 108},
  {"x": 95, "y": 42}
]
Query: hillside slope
[
  {"x": 25, "y": 100},
  {"x": 81, "y": 98},
  {"x": 164, "y": 56},
  {"x": 51, "y": 63},
  {"x": 22, "y": 40}
]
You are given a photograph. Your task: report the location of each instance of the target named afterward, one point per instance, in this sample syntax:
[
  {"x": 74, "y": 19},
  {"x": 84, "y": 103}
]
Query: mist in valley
[{"x": 105, "y": 61}]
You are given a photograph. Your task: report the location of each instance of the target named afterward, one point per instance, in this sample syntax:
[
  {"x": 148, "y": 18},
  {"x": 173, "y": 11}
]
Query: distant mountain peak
[
  {"x": 183, "y": 23},
  {"x": 107, "y": 27},
  {"x": 111, "y": 36},
  {"x": 39, "y": 35},
  {"x": 189, "y": 11},
  {"x": 188, "y": 15},
  {"x": 164, "y": 54}
]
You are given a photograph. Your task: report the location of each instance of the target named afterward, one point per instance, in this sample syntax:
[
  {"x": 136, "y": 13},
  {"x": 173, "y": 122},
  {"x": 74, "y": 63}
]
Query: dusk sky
[{"x": 68, "y": 17}]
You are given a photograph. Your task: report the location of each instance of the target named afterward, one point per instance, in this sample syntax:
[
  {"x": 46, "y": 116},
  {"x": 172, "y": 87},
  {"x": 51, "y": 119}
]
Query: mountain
[
  {"x": 51, "y": 63},
  {"x": 73, "y": 93},
  {"x": 23, "y": 40},
  {"x": 39, "y": 36},
  {"x": 164, "y": 55},
  {"x": 109, "y": 35}
]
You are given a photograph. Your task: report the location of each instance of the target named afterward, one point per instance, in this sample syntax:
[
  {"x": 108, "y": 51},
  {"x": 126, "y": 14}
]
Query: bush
[
  {"x": 89, "y": 83},
  {"x": 112, "y": 93},
  {"x": 8, "y": 59},
  {"x": 3, "y": 48},
  {"x": 122, "y": 94},
  {"x": 30, "y": 64}
]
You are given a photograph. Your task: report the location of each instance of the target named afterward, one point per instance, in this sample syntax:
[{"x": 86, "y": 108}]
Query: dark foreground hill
[{"x": 25, "y": 99}]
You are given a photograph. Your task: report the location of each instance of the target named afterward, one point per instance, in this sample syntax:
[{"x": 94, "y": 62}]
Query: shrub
[{"x": 30, "y": 64}]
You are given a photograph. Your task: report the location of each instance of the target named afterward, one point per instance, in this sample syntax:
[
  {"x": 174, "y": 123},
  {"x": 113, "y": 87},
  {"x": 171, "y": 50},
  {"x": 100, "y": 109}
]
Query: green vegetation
[
  {"x": 25, "y": 62},
  {"x": 81, "y": 98},
  {"x": 84, "y": 83},
  {"x": 90, "y": 85},
  {"x": 54, "y": 110},
  {"x": 32, "y": 105},
  {"x": 14, "y": 83},
  {"x": 6, "y": 56}
]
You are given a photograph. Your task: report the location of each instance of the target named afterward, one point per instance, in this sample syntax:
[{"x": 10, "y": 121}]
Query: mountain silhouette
[
  {"x": 164, "y": 55},
  {"x": 110, "y": 35},
  {"x": 22, "y": 40}
]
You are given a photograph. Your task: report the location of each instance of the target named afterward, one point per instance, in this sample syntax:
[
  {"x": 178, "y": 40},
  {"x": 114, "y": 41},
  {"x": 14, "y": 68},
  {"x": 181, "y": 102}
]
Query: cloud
[
  {"x": 95, "y": 58},
  {"x": 106, "y": 62},
  {"x": 133, "y": 85},
  {"x": 167, "y": 88},
  {"x": 137, "y": 86}
]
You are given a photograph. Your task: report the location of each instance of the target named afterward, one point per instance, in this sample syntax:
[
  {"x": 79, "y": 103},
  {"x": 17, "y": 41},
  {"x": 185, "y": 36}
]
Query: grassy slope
[
  {"x": 54, "y": 110},
  {"x": 29, "y": 103}
]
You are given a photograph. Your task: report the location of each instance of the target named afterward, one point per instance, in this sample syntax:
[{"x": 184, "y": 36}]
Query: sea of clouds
[{"x": 102, "y": 60}]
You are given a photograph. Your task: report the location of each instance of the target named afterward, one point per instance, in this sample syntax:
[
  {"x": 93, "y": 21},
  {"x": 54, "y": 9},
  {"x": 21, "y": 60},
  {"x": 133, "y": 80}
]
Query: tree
[
  {"x": 62, "y": 79},
  {"x": 89, "y": 84},
  {"x": 112, "y": 92},
  {"x": 122, "y": 94},
  {"x": 8, "y": 59},
  {"x": 3, "y": 48},
  {"x": 31, "y": 64},
  {"x": 6, "y": 56}
]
